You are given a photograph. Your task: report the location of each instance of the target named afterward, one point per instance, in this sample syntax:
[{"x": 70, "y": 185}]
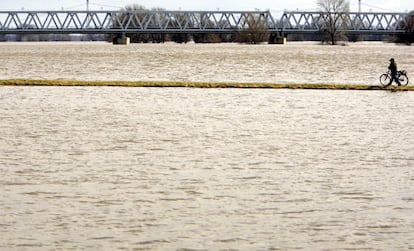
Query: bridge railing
[{"x": 14, "y": 22}]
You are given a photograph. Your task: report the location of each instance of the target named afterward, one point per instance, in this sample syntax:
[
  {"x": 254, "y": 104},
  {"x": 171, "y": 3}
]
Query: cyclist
[{"x": 393, "y": 70}]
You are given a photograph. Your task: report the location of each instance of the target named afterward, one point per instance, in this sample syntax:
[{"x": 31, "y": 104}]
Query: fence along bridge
[{"x": 127, "y": 22}]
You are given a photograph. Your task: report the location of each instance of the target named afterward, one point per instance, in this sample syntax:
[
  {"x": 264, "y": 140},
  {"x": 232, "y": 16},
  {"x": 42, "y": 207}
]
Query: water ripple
[{"x": 205, "y": 169}]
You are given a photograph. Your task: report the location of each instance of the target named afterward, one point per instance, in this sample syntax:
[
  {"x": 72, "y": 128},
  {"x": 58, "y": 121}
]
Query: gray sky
[{"x": 272, "y": 5}]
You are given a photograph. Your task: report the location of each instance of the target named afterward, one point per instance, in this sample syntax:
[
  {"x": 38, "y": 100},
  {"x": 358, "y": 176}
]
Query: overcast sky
[{"x": 272, "y": 5}]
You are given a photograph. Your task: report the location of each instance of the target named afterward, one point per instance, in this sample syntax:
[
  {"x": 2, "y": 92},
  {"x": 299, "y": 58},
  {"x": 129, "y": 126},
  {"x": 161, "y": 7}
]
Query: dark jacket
[{"x": 393, "y": 68}]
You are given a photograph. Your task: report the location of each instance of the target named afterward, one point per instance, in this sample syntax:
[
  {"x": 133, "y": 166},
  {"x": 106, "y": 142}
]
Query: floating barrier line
[{"x": 29, "y": 82}]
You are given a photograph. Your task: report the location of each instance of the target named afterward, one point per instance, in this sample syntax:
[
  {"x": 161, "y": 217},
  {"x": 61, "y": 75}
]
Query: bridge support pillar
[
  {"x": 276, "y": 38},
  {"x": 124, "y": 40},
  {"x": 281, "y": 40}
]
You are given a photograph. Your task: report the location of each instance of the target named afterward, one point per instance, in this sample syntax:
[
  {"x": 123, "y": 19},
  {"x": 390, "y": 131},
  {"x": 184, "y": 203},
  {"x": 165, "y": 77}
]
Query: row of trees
[
  {"x": 51, "y": 37},
  {"x": 256, "y": 33}
]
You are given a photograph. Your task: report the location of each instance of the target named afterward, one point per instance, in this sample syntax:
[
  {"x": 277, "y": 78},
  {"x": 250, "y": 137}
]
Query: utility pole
[
  {"x": 87, "y": 5},
  {"x": 359, "y": 8}
]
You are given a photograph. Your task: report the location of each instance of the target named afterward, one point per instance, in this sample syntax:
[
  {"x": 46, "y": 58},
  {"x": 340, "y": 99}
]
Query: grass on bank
[{"x": 28, "y": 82}]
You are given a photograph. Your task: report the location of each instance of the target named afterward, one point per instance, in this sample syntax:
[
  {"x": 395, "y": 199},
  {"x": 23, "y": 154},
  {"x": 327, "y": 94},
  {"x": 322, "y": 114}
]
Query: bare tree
[
  {"x": 335, "y": 18},
  {"x": 207, "y": 23},
  {"x": 254, "y": 31},
  {"x": 408, "y": 25},
  {"x": 133, "y": 15}
]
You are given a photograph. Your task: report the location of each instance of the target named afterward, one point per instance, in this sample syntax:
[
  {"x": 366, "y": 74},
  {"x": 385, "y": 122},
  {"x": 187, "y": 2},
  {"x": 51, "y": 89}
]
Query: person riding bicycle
[{"x": 393, "y": 70}]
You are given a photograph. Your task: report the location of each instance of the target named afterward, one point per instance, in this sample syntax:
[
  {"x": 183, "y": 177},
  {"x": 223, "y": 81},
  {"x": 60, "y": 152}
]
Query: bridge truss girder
[
  {"x": 130, "y": 22},
  {"x": 127, "y": 22},
  {"x": 351, "y": 22}
]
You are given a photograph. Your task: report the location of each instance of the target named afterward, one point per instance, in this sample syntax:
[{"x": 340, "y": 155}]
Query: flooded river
[
  {"x": 110, "y": 168},
  {"x": 360, "y": 63},
  {"x": 205, "y": 169}
]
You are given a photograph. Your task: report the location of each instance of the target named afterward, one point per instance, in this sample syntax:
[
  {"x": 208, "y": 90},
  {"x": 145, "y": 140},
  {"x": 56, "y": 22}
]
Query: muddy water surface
[
  {"x": 205, "y": 169},
  {"x": 359, "y": 63}
]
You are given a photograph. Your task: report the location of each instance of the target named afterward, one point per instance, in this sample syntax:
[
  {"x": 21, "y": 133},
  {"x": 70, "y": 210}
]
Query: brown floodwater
[
  {"x": 356, "y": 63},
  {"x": 110, "y": 168}
]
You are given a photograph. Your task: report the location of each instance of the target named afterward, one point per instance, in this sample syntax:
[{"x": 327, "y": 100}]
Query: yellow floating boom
[{"x": 28, "y": 82}]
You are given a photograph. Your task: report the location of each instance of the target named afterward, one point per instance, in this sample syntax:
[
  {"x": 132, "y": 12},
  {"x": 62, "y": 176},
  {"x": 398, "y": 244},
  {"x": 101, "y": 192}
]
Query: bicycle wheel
[
  {"x": 403, "y": 79},
  {"x": 385, "y": 79}
]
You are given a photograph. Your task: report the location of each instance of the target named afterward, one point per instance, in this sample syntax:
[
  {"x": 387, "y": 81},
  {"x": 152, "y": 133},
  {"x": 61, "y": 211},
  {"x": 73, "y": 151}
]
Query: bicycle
[{"x": 385, "y": 78}]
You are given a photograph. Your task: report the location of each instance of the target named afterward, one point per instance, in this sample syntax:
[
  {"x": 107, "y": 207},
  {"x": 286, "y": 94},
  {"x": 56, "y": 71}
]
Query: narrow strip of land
[{"x": 28, "y": 82}]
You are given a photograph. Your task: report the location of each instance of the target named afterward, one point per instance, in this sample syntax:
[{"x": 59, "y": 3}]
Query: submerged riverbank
[{"x": 28, "y": 82}]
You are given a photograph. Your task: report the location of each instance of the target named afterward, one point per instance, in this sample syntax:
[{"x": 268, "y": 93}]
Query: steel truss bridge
[{"x": 127, "y": 22}]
